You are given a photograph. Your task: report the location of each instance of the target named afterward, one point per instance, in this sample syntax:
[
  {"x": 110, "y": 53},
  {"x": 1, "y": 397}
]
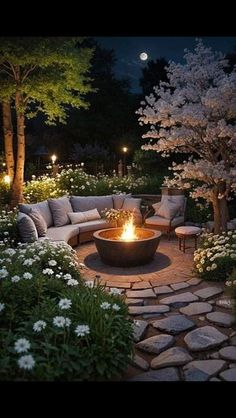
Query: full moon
[{"x": 143, "y": 56}]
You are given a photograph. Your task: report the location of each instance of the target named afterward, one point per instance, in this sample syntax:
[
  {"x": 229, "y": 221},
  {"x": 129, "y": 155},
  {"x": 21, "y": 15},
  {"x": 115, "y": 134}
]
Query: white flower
[
  {"x": 2, "y": 306},
  {"x": 67, "y": 276},
  {"x": 82, "y": 330},
  {"x": 214, "y": 266},
  {"x": 26, "y": 362},
  {"x": 27, "y": 276},
  {"x": 72, "y": 282},
  {"x": 22, "y": 345},
  {"x": 89, "y": 283},
  {"x": 105, "y": 305},
  {"x": 52, "y": 263},
  {"x": 115, "y": 307},
  {"x": 200, "y": 270},
  {"x": 67, "y": 322},
  {"x": 65, "y": 303},
  {"x": 3, "y": 273},
  {"x": 59, "y": 321},
  {"x": 48, "y": 271},
  {"x": 28, "y": 262},
  {"x": 15, "y": 279},
  {"x": 115, "y": 291},
  {"x": 39, "y": 325}
]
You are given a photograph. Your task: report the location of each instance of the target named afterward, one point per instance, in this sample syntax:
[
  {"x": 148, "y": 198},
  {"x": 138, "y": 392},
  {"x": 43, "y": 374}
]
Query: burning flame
[{"x": 128, "y": 233}]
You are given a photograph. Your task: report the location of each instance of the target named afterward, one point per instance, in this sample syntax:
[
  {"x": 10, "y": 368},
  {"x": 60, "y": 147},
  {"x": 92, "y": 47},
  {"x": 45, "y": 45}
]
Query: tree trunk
[
  {"x": 17, "y": 187},
  {"x": 224, "y": 212},
  {"x": 217, "y": 212},
  {"x": 8, "y": 138}
]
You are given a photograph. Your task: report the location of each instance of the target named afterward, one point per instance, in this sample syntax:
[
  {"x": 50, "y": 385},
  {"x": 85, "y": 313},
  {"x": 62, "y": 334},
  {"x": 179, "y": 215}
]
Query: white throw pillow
[
  {"x": 131, "y": 204},
  {"x": 88, "y": 215},
  {"x": 156, "y": 207},
  {"x": 168, "y": 209}
]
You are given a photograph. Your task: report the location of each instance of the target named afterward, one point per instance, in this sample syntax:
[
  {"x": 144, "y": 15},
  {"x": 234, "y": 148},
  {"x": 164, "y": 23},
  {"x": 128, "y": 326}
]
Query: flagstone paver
[
  {"x": 156, "y": 344},
  {"x": 210, "y": 367},
  {"x": 175, "y": 356},
  {"x": 208, "y": 292},
  {"x": 162, "y": 290},
  {"x": 134, "y": 302},
  {"x": 182, "y": 297},
  {"x": 174, "y": 324},
  {"x": 196, "y": 308},
  {"x": 148, "y": 309},
  {"x": 220, "y": 318},
  {"x": 229, "y": 375},
  {"x": 194, "y": 281},
  {"x": 179, "y": 286},
  {"x": 140, "y": 327},
  {"x": 204, "y": 338},
  {"x": 228, "y": 353},
  {"x": 141, "y": 285},
  {"x": 147, "y": 293},
  {"x": 139, "y": 362}
]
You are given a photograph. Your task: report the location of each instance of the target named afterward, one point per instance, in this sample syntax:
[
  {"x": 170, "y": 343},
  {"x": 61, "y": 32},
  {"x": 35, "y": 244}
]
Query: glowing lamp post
[
  {"x": 53, "y": 158},
  {"x": 124, "y": 149},
  {"x": 7, "y": 179},
  {"x": 54, "y": 167}
]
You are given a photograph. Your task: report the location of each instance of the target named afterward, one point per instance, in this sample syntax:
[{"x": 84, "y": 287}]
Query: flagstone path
[{"x": 184, "y": 328}]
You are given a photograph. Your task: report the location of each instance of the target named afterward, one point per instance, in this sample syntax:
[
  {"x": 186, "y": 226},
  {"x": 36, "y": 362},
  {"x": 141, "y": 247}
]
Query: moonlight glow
[{"x": 143, "y": 56}]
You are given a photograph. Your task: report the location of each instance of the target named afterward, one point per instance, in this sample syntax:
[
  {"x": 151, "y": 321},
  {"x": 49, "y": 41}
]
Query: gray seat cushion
[
  {"x": 62, "y": 233},
  {"x": 93, "y": 225},
  {"x": 84, "y": 203},
  {"x": 26, "y": 228},
  {"x": 42, "y": 207},
  {"x": 158, "y": 220},
  {"x": 60, "y": 208}
]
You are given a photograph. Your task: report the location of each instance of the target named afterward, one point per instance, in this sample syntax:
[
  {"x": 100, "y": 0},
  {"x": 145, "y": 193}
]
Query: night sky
[{"x": 127, "y": 50}]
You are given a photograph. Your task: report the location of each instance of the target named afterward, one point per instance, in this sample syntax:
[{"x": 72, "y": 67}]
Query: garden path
[{"x": 183, "y": 327}]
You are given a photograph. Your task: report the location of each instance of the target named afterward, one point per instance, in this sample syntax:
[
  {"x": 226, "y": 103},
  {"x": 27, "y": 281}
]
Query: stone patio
[{"x": 183, "y": 326}]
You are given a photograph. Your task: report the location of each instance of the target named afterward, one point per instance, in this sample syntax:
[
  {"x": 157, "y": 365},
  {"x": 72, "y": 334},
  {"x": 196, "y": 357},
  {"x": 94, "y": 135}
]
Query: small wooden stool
[{"x": 187, "y": 231}]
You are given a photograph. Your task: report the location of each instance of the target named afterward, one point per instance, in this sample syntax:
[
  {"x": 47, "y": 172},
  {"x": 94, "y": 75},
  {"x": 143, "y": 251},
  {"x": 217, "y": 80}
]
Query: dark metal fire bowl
[{"x": 116, "y": 252}]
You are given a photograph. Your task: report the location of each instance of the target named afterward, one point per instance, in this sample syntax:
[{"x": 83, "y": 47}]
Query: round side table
[{"x": 183, "y": 232}]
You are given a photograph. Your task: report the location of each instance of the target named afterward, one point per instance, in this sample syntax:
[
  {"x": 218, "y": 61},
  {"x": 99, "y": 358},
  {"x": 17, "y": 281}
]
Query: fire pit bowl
[{"x": 117, "y": 252}]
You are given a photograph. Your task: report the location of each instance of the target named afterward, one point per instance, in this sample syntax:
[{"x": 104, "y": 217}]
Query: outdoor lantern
[
  {"x": 53, "y": 158},
  {"x": 7, "y": 179}
]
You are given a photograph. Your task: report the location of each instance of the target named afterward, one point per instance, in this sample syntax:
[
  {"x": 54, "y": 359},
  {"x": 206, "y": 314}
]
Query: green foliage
[
  {"x": 216, "y": 256},
  {"x": 198, "y": 212},
  {"x": 49, "y": 73},
  {"x": 42, "y": 282}
]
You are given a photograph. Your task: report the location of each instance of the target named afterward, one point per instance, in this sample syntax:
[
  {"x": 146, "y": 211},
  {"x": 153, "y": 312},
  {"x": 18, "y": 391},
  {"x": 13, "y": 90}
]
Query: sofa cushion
[
  {"x": 26, "y": 228},
  {"x": 62, "y": 233},
  {"x": 88, "y": 215},
  {"x": 156, "y": 206},
  {"x": 168, "y": 209},
  {"x": 60, "y": 208},
  {"x": 158, "y": 220},
  {"x": 118, "y": 200},
  {"x": 42, "y": 207},
  {"x": 84, "y": 203},
  {"x": 181, "y": 199},
  {"x": 131, "y": 203},
  {"x": 39, "y": 222},
  {"x": 93, "y": 225}
]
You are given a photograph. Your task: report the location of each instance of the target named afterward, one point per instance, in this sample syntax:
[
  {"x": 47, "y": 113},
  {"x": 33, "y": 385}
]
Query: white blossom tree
[{"x": 194, "y": 113}]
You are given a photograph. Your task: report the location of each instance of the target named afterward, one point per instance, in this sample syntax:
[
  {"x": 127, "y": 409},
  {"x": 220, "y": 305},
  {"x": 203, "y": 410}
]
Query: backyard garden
[{"x": 116, "y": 263}]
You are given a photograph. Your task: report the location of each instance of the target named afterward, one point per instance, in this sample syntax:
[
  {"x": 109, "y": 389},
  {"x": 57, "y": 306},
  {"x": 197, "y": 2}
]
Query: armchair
[{"x": 165, "y": 223}]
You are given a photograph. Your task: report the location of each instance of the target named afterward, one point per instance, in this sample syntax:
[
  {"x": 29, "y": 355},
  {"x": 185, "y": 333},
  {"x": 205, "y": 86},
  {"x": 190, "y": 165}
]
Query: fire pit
[{"x": 127, "y": 246}]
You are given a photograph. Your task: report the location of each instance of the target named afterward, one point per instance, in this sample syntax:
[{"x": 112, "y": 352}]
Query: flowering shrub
[
  {"x": 4, "y": 191},
  {"x": 77, "y": 182},
  {"x": 216, "y": 257},
  {"x": 53, "y": 326},
  {"x": 116, "y": 216},
  {"x": 8, "y": 228},
  {"x": 42, "y": 188}
]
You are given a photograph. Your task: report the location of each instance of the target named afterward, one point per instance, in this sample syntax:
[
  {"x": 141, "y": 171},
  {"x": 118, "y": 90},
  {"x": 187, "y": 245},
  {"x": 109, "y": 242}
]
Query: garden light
[
  {"x": 53, "y": 158},
  {"x": 7, "y": 179}
]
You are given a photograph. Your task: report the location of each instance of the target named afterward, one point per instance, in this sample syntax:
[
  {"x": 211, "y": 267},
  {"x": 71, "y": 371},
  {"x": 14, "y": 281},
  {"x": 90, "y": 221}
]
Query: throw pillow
[
  {"x": 60, "y": 208},
  {"x": 39, "y": 222},
  {"x": 168, "y": 209},
  {"x": 26, "y": 228},
  {"x": 42, "y": 207},
  {"x": 85, "y": 203},
  {"x": 131, "y": 204},
  {"x": 118, "y": 200},
  {"x": 156, "y": 207},
  {"x": 79, "y": 217}
]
